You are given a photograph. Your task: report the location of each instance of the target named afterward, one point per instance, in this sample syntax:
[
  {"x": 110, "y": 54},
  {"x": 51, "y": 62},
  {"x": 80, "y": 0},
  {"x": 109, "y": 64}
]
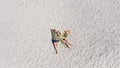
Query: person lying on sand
[
  {"x": 55, "y": 39},
  {"x": 63, "y": 38}
]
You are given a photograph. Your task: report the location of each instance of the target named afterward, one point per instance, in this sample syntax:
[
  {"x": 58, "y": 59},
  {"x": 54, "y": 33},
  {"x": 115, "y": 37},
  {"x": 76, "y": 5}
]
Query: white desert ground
[{"x": 25, "y": 37}]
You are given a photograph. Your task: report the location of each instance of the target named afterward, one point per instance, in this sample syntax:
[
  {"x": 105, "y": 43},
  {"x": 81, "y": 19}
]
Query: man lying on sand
[{"x": 55, "y": 39}]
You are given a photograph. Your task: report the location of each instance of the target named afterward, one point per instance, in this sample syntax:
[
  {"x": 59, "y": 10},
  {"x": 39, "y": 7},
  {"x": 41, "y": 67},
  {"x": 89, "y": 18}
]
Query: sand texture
[{"x": 25, "y": 37}]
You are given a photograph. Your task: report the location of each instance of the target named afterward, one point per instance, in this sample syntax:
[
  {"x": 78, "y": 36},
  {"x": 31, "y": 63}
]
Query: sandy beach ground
[{"x": 25, "y": 37}]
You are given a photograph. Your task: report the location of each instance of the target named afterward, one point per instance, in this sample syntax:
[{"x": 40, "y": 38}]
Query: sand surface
[{"x": 25, "y": 37}]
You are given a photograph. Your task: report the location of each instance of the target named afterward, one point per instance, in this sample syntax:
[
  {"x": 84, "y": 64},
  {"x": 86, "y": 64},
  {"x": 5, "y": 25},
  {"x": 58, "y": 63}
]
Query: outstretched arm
[{"x": 52, "y": 30}]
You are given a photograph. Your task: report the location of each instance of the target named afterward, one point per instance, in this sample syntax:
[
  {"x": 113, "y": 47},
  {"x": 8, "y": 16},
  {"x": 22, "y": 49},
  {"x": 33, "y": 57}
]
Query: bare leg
[
  {"x": 66, "y": 40},
  {"x": 67, "y": 44},
  {"x": 56, "y": 47}
]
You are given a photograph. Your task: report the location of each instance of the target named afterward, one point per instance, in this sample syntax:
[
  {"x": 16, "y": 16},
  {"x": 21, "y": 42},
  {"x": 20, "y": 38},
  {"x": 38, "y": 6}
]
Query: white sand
[{"x": 25, "y": 37}]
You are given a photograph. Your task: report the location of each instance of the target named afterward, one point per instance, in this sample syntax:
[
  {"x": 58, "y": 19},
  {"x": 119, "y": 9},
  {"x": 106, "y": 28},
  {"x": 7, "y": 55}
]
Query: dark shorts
[{"x": 53, "y": 41}]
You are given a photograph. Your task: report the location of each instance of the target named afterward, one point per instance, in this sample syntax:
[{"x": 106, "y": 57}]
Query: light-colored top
[
  {"x": 54, "y": 35},
  {"x": 63, "y": 36}
]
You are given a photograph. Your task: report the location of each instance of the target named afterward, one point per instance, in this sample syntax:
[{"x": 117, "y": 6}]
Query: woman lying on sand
[{"x": 63, "y": 38}]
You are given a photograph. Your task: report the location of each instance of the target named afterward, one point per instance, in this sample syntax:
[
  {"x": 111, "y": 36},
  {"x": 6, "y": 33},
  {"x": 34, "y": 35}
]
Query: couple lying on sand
[{"x": 58, "y": 36}]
